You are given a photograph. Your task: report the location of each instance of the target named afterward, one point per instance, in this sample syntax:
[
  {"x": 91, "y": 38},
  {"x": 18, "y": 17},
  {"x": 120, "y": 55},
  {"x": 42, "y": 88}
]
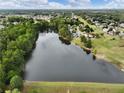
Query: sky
[{"x": 61, "y": 4}]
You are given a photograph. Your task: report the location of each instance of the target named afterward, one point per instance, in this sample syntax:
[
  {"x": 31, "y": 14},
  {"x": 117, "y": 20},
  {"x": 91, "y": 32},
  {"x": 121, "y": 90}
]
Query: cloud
[
  {"x": 7, "y": 4},
  {"x": 80, "y": 3},
  {"x": 71, "y": 4},
  {"x": 20, "y": 4},
  {"x": 42, "y": 4},
  {"x": 55, "y": 5},
  {"x": 31, "y": 2},
  {"x": 116, "y": 4}
]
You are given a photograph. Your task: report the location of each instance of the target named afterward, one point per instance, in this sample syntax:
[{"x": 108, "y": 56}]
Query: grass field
[
  {"x": 110, "y": 49},
  {"x": 71, "y": 87}
]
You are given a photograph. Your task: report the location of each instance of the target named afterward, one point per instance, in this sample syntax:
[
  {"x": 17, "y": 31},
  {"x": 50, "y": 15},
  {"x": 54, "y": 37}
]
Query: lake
[{"x": 53, "y": 60}]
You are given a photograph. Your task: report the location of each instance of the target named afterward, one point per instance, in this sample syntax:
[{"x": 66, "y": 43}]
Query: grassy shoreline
[
  {"x": 110, "y": 50},
  {"x": 103, "y": 52},
  {"x": 71, "y": 87}
]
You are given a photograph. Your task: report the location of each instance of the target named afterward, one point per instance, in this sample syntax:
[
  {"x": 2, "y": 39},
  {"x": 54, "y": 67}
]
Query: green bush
[{"x": 16, "y": 82}]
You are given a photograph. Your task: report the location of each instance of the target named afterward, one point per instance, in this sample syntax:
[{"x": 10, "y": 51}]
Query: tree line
[{"x": 16, "y": 41}]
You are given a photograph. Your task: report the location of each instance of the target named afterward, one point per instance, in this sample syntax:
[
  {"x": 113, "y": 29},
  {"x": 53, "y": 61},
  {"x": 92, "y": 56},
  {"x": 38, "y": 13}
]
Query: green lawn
[
  {"x": 110, "y": 49},
  {"x": 71, "y": 87}
]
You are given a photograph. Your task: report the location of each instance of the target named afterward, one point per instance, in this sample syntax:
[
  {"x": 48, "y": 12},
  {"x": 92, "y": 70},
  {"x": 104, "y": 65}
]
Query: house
[
  {"x": 121, "y": 34},
  {"x": 90, "y": 36},
  {"x": 15, "y": 23},
  {"x": 112, "y": 24},
  {"x": 2, "y": 16},
  {"x": 96, "y": 23},
  {"x": 121, "y": 25},
  {"x": 111, "y": 31},
  {"x": 1, "y": 26},
  {"x": 105, "y": 30},
  {"x": 104, "y": 25}
]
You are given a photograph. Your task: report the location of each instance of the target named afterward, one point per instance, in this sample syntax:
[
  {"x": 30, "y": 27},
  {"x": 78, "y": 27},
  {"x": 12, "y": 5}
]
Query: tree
[
  {"x": 13, "y": 59},
  {"x": 88, "y": 29},
  {"x": 83, "y": 39},
  {"x": 16, "y": 82},
  {"x": 2, "y": 86},
  {"x": 13, "y": 91},
  {"x": 88, "y": 44},
  {"x": 11, "y": 74},
  {"x": 2, "y": 73},
  {"x": 64, "y": 33},
  {"x": 8, "y": 91},
  {"x": 15, "y": 42},
  {"x": 16, "y": 90},
  {"x": 16, "y": 19},
  {"x": 2, "y": 78}
]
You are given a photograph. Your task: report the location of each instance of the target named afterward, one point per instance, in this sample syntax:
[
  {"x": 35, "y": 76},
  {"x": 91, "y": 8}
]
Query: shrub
[{"x": 16, "y": 82}]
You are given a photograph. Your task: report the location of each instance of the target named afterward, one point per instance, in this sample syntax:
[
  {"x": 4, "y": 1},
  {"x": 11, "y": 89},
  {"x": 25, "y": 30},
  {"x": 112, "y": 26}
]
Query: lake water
[{"x": 52, "y": 60}]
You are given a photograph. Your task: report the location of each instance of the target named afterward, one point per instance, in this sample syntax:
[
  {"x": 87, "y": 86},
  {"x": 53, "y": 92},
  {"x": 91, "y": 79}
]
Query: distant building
[
  {"x": 122, "y": 25},
  {"x": 121, "y": 34},
  {"x": 72, "y": 15}
]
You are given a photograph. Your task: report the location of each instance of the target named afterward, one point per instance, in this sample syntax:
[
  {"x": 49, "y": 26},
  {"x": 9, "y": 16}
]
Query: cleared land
[{"x": 71, "y": 87}]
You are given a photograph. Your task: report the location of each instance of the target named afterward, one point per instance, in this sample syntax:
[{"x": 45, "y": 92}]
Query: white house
[
  {"x": 122, "y": 25},
  {"x": 1, "y": 26}
]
